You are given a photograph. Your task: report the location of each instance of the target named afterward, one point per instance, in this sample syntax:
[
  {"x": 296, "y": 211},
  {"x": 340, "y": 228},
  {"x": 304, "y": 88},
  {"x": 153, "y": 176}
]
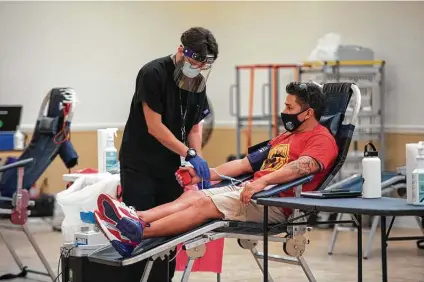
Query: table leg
[
  {"x": 359, "y": 226},
  {"x": 383, "y": 249},
  {"x": 265, "y": 259}
]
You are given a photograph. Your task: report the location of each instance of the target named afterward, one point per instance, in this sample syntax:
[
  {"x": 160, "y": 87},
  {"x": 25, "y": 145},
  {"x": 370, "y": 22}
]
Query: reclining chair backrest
[
  {"x": 337, "y": 98},
  {"x": 48, "y": 140}
]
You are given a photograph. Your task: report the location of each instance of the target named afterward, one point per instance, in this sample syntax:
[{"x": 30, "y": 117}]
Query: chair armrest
[
  {"x": 282, "y": 187},
  {"x": 394, "y": 180},
  {"x": 401, "y": 170},
  {"x": 5, "y": 199},
  {"x": 20, "y": 163}
]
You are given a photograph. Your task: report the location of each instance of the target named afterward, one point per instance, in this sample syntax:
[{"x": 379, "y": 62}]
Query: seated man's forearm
[
  {"x": 232, "y": 169},
  {"x": 292, "y": 171}
]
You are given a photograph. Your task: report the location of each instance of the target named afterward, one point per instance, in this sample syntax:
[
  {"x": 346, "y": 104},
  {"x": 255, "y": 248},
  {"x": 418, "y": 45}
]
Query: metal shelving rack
[
  {"x": 369, "y": 77},
  {"x": 270, "y": 101}
]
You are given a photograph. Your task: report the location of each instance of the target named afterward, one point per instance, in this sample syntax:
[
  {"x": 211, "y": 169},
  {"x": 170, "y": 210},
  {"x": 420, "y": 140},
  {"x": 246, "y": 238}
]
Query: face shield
[{"x": 192, "y": 71}]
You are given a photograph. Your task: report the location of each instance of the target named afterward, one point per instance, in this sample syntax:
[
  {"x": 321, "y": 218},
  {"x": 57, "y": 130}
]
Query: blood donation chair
[
  {"x": 50, "y": 138},
  {"x": 337, "y": 98}
]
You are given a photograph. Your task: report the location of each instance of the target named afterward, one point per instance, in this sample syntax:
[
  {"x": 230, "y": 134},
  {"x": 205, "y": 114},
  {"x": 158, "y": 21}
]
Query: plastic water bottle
[
  {"x": 418, "y": 177},
  {"x": 18, "y": 140},
  {"x": 371, "y": 173},
  {"x": 111, "y": 154}
]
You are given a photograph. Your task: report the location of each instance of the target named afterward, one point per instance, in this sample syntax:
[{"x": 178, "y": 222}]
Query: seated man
[{"x": 306, "y": 148}]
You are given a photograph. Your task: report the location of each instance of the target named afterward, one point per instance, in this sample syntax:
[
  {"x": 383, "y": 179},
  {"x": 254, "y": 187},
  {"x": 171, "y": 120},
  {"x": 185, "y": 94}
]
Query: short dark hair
[
  {"x": 308, "y": 95},
  {"x": 200, "y": 40}
]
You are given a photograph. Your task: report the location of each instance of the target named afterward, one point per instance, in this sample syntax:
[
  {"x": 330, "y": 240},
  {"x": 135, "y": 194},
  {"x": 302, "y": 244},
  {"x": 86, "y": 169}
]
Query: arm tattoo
[{"x": 304, "y": 166}]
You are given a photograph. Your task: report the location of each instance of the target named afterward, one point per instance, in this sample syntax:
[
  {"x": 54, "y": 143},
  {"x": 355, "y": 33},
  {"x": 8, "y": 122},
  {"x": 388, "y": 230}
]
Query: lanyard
[
  {"x": 183, "y": 119},
  {"x": 183, "y": 115}
]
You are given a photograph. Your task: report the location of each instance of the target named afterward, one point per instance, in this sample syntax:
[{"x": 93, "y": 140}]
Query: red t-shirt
[{"x": 287, "y": 147}]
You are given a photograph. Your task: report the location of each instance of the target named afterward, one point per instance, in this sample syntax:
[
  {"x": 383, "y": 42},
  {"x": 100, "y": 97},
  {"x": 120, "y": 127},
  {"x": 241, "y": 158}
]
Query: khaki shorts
[{"x": 227, "y": 201}]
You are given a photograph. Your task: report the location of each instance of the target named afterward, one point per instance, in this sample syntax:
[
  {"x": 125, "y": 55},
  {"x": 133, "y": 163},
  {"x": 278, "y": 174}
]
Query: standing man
[{"x": 162, "y": 130}]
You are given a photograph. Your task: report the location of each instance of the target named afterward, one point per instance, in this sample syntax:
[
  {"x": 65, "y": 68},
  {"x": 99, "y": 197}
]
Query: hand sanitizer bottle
[
  {"x": 111, "y": 154},
  {"x": 418, "y": 177},
  {"x": 18, "y": 140}
]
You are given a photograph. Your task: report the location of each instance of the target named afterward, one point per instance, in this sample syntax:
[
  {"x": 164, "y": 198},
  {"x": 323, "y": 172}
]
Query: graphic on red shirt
[
  {"x": 277, "y": 157},
  {"x": 285, "y": 148}
]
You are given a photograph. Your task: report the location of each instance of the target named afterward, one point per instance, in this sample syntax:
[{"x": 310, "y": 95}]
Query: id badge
[{"x": 184, "y": 162}]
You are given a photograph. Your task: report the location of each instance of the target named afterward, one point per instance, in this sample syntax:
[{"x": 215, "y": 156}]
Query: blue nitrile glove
[
  {"x": 202, "y": 169},
  {"x": 204, "y": 184}
]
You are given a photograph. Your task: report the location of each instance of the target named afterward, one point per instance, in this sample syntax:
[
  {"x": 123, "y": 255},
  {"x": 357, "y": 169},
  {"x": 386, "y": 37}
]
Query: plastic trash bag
[
  {"x": 80, "y": 200},
  {"x": 326, "y": 49}
]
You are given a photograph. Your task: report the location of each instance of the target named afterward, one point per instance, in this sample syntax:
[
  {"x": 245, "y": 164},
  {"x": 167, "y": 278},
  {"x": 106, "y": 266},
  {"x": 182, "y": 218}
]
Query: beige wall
[
  {"x": 248, "y": 32},
  {"x": 221, "y": 144}
]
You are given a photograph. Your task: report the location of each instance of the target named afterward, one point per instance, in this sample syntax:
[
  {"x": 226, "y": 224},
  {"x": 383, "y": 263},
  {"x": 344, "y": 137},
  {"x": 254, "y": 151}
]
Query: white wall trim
[
  {"x": 404, "y": 128},
  {"x": 80, "y": 127},
  {"x": 390, "y": 128}
]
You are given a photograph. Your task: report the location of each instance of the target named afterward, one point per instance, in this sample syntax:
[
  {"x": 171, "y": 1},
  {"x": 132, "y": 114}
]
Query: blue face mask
[{"x": 189, "y": 71}]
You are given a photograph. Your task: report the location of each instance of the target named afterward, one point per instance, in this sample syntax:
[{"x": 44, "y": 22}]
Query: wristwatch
[{"x": 191, "y": 153}]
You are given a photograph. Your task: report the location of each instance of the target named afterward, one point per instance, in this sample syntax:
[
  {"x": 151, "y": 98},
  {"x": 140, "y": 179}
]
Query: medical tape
[{"x": 228, "y": 178}]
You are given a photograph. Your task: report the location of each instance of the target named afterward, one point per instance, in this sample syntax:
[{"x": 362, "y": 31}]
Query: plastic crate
[{"x": 6, "y": 141}]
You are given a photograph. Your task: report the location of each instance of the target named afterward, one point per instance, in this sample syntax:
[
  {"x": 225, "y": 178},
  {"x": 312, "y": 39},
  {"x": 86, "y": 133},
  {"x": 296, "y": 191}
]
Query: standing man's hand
[
  {"x": 195, "y": 141},
  {"x": 202, "y": 170},
  {"x": 204, "y": 184}
]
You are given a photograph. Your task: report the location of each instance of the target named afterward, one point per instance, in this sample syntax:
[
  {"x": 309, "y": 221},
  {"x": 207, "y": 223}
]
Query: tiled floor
[{"x": 406, "y": 263}]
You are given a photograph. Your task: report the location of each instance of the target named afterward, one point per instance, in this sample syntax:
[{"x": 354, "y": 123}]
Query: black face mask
[{"x": 291, "y": 122}]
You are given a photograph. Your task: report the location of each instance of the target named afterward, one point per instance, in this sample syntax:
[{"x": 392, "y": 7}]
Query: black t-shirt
[{"x": 155, "y": 85}]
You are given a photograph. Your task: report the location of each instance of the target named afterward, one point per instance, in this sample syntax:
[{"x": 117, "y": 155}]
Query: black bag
[{"x": 44, "y": 206}]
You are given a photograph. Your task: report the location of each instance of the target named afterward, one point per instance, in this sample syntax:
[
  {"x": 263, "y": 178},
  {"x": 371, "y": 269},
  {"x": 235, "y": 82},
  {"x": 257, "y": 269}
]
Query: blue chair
[
  {"x": 337, "y": 98},
  {"x": 51, "y": 138}
]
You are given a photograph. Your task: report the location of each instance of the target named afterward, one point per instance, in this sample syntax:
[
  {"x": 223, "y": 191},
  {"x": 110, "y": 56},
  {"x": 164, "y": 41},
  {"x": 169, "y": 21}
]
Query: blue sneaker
[
  {"x": 120, "y": 242},
  {"x": 123, "y": 218}
]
